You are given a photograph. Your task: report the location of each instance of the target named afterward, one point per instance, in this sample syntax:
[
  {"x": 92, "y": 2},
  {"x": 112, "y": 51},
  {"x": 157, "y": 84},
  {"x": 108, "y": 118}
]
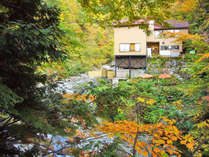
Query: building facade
[{"x": 132, "y": 45}]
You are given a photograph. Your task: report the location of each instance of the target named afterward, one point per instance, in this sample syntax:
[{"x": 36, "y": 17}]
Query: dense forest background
[
  {"x": 46, "y": 40},
  {"x": 87, "y": 45}
]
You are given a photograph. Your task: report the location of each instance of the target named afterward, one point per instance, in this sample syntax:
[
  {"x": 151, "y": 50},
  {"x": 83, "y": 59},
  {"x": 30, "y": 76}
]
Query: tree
[
  {"x": 160, "y": 141},
  {"x": 195, "y": 12},
  {"x": 82, "y": 40},
  {"x": 29, "y": 35},
  {"x": 107, "y": 12}
]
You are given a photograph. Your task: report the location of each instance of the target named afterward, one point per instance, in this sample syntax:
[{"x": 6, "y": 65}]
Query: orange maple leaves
[
  {"x": 161, "y": 136},
  {"x": 77, "y": 97}
]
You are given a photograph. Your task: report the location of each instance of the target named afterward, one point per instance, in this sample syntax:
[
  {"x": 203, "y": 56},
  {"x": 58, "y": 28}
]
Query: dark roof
[
  {"x": 125, "y": 22},
  {"x": 174, "y": 24}
]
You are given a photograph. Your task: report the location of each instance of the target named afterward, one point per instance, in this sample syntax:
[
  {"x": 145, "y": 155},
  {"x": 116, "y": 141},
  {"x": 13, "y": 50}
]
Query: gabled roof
[{"x": 173, "y": 24}]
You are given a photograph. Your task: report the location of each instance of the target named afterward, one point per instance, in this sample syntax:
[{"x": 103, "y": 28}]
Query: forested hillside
[
  {"x": 83, "y": 40},
  {"x": 154, "y": 115}
]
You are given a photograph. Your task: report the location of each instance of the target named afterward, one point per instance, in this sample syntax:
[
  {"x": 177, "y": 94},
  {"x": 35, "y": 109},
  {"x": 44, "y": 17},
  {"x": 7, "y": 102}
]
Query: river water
[{"x": 95, "y": 144}]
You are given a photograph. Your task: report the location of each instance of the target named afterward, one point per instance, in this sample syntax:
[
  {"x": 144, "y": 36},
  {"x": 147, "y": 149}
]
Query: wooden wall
[{"x": 132, "y": 62}]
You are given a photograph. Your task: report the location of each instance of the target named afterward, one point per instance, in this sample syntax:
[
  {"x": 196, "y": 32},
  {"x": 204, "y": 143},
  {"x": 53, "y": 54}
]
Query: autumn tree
[
  {"x": 160, "y": 140},
  {"x": 81, "y": 40},
  {"x": 30, "y": 35},
  {"x": 108, "y": 12}
]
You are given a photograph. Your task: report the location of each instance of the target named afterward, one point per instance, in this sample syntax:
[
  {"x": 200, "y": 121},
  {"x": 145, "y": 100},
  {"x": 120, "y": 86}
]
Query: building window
[
  {"x": 172, "y": 31},
  {"x": 137, "y": 47},
  {"x": 124, "y": 47},
  {"x": 174, "y": 47},
  {"x": 164, "y": 47},
  {"x": 132, "y": 47}
]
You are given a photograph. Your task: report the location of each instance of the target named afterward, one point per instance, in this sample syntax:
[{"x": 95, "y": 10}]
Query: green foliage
[
  {"x": 107, "y": 12},
  {"x": 170, "y": 100},
  {"x": 199, "y": 18},
  {"x": 82, "y": 41},
  {"x": 29, "y": 36},
  {"x": 155, "y": 98},
  {"x": 110, "y": 150},
  {"x": 109, "y": 99},
  {"x": 33, "y": 38},
  {"x": 8, "y": 97}
]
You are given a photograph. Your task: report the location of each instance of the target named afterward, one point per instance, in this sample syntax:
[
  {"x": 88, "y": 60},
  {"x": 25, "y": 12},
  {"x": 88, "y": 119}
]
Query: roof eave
[{"x": 171, "y": 28}]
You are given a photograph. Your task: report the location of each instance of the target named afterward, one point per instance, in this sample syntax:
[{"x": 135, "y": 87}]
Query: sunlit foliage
[
  {"x": 161, "y": 136},
  {"x": 82, "y": 41}
]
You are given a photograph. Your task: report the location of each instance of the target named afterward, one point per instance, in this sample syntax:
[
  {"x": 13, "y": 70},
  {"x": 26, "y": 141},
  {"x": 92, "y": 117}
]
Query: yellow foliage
[
  {"x": 188, "y": 141},
  {"x": 188, "y": 5},
  {"x": 79, "y": 133},
  {"x": 77, "y": 97},
  {"x": 204, "y": 124},
  {"x": 180, "y": 36},
  {"x": 178, "y": 104},
  {"x": 203, "y": 57},
  {"x": 140, "y": 99},
  {"x": 149, "y": 102},
  {"x": 160, "y": 134},
  {"x": 184, "y": 6}
]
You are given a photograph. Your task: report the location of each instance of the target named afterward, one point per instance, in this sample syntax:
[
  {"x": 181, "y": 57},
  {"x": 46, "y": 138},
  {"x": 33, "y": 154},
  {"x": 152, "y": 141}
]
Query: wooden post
[
  {"x": 115, "y": 67},
  {"x": 129, "y": 63}
]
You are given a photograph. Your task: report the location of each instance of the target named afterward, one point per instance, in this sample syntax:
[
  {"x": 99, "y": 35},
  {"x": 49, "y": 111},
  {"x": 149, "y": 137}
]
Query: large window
[
  {"x": 164, "y": 48},
  {"x": 173, "y": 30},
  {"x": 172, "y": 47},
  {"x": 137, "y": 47},
  {"x": 130, "y": 47},
  {"x": 124, "y": 47}
]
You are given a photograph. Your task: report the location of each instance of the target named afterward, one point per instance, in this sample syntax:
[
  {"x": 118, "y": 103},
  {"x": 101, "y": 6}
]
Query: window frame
[
  {"x": 132, "y": 47},
  {"x": 164, "y": 49},
  {"x": 177, "y": 47},
  {"x": 139, "y": 47},
  {"x": 124, "y": 44}
]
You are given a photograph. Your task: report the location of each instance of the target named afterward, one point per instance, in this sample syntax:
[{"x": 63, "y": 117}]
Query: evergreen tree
[{"x": 29, "y": 35}]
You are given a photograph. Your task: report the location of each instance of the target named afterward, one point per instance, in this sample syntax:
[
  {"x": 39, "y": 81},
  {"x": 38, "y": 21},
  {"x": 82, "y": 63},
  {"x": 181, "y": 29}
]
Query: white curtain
[
  {"x": 137, "y": 47},
  {"x": 125, "y": 47}
]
